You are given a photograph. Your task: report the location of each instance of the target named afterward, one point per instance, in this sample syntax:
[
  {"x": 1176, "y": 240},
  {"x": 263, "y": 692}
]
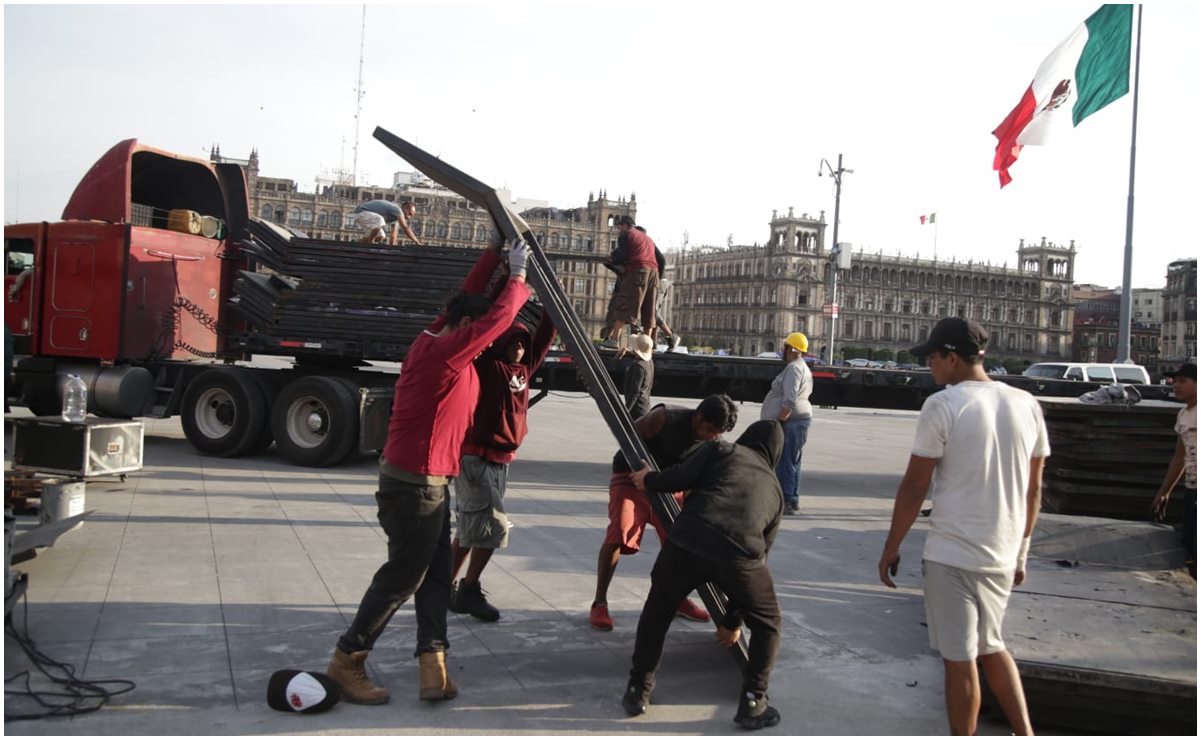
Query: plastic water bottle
[{"x": 75, "y": 399}]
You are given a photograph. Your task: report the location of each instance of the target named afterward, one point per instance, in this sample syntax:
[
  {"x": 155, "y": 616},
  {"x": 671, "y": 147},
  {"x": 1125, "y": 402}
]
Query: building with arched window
[{"x": 748, "y": 298}]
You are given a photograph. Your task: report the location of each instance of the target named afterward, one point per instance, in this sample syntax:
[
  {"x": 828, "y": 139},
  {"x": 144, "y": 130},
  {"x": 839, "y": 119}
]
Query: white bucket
[{"x": 62, "y": 498}]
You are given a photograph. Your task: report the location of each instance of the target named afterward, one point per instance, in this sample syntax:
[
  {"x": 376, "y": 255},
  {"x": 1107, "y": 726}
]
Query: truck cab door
[{"x": 23, "y": 244}]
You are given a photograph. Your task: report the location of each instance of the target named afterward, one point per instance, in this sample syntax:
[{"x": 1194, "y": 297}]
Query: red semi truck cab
[{"x": 117, "y": 282}]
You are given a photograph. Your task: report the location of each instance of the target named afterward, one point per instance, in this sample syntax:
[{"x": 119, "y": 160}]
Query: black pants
[
  {"x": 748, "y": 584},
  {"x": 417, "y": 522}
]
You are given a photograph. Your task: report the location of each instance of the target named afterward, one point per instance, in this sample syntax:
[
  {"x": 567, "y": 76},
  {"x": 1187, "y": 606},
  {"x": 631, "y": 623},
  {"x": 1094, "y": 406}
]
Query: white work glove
[{"x": 519, "y": 254}]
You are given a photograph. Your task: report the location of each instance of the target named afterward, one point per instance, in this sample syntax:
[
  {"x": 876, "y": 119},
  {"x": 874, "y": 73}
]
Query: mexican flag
[
  {"x": 1085, "y": 73},
  {"x": 927, "y": 219}
]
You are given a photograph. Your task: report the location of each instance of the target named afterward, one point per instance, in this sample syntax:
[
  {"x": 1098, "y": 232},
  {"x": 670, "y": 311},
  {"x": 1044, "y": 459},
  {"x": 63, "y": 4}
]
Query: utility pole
[{"x": 836, "y": 250}]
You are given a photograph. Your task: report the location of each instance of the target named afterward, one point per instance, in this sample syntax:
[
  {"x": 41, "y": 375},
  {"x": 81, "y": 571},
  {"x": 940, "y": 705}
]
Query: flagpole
[{"x": 1127, "y": 288}]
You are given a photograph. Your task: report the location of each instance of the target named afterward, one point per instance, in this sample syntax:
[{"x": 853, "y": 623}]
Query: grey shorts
[
  {"x": 480, "y": 503},
  {"x": 964, "y": 610}
]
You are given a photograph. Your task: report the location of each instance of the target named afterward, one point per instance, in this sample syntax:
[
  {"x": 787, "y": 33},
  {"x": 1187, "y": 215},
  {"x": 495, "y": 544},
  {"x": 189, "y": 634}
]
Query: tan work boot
[
  {"x": 348, "y": 670},
  {"x": 435, "y": 681}
]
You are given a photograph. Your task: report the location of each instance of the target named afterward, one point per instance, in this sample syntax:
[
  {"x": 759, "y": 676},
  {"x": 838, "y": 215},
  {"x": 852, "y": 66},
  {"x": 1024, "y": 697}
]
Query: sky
[{"x": 712, "y": 114}]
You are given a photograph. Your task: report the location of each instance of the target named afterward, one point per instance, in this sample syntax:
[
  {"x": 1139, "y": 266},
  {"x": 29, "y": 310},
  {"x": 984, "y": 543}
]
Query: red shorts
[{"x": 629, "y": 513}]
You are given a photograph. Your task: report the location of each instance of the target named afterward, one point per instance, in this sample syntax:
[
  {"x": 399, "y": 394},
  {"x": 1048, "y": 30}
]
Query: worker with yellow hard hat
[{"x": 788, "y": 403}]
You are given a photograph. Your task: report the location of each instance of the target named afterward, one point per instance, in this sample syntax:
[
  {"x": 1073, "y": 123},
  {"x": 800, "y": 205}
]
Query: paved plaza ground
[{"x": 198, "y": 577}]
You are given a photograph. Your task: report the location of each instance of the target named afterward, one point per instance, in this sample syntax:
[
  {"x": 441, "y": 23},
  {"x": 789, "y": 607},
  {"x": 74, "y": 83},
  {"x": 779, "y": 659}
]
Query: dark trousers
[
  {"x": 417, "y": 522},
  {"x": 748, "y": 584}
]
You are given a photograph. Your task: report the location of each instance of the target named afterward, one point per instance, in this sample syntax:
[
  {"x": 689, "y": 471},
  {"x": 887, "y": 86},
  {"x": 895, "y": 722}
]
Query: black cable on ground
[{"x": 81, "y": 697}]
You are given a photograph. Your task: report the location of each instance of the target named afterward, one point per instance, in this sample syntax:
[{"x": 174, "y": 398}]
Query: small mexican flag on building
[
  {"x": 927, "y": 219},
  {"x": 1085, "y": 73}
]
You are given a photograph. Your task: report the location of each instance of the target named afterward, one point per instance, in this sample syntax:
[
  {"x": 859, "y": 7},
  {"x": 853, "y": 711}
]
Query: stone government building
[{"x": 747, "y": 298}]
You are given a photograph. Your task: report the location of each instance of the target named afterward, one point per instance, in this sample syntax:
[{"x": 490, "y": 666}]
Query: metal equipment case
[{"x": 84, "y": 449}]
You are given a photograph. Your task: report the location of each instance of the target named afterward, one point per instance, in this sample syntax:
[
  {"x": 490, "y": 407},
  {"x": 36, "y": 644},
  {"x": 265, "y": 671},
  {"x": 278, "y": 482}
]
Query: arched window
[
  {"x": 322, "y": 218},
  {"x": 456, "y": 232},
  {"x": 306, "y": 217},
  {"x": 294, "y": 217},
  {"x": 350, "y": 221},
  {"x": 265, "y": 213},
  {"x": 481, "y": 234},
  {"x": 279, "y": 214},
  {"x": 335, "y": 219},
  {"x": 443, "y": 229}
]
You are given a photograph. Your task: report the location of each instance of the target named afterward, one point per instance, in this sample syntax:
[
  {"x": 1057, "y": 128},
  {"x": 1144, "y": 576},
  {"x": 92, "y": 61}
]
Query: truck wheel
[
  {"x": 270, "y": 392},
  {"x": 315, "y": 421},
  {"x": 224, "y": 412}
]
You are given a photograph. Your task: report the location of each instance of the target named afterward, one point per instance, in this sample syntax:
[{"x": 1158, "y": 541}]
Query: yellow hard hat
[{"x": 798, "y": 341}]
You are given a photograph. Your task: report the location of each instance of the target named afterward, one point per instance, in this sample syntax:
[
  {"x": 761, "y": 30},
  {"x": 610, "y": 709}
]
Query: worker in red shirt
[
  {"x": 497, "y": 430},
  {"x": 435, "y": 399},
  {"x": 639, "y": 285}
]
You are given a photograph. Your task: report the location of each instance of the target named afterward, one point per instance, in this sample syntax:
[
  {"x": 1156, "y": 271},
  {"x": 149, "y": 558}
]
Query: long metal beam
[{"x": 577, "y": 341}]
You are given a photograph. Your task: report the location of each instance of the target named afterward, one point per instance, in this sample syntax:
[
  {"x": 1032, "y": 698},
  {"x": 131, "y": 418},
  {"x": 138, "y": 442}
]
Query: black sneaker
[
  {"x": 754, "y": 713},
  {"x": 636, "y": 698},
  {"x": 468, "y": 598}
]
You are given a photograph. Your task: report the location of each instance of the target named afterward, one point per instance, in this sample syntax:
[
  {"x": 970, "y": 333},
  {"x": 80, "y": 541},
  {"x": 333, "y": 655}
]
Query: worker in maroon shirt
[
  {"x": 435, "y": 399},
  {"x": 639, "y": 285},
  {"x": 496, "y": 432}
]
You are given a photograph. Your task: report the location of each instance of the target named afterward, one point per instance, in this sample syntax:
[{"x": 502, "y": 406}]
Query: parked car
[
  {"x": 1096, "y": 372},
  {"x": 859, "y": 362}
]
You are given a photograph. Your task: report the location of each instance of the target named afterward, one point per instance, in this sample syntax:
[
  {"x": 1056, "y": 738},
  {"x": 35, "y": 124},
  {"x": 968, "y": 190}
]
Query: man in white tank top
[{"x": 979, "y": 451}]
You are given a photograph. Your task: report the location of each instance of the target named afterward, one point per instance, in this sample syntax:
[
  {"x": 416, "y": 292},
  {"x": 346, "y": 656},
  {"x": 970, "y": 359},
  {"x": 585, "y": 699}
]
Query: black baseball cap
[
  {"x": 961, "y": 336},
  {"x": 308, "y": 692},
  {"x": 1187, "y": 370}
]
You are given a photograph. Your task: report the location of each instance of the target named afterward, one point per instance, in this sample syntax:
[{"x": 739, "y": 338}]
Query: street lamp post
[{"x": 836, "y": 249}]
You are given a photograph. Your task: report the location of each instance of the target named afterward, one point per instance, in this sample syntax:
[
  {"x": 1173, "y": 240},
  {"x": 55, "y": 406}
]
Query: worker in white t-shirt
[
  {"x": 1184, "y": 462},
  {"x": 979, "y": 451}
]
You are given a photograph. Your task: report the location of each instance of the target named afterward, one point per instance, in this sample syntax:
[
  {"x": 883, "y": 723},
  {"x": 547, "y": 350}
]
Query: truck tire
[
  {"x": 270, "y": 392},
  {"x": 224, "y": 412},
  {"x": 315, "y": 421}
]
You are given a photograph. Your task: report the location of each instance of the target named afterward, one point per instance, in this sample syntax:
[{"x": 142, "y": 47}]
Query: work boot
[
  {"x": 754, "y": 713},
  {"x": 348, "y": 670},
  {"x": 468, "y": 598},
  {"x": 435, "y": 681},
  {"x": 673, "y": 342},
  {"x": 637, "y": 697}
]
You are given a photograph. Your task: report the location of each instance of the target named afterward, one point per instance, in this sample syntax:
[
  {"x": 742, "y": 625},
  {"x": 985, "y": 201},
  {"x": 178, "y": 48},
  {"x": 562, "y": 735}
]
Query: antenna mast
[{"x": 358, "y": 107}]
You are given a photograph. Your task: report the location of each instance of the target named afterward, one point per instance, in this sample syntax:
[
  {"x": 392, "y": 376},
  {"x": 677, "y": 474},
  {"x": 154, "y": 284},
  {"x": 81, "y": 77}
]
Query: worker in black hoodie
[{"x": 727, "y": 525}]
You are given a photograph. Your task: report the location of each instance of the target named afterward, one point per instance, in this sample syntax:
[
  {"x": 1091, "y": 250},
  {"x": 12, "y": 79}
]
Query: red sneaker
[
  {"x": 599, "y": 616},
  {"x": 691, "y": 611}
]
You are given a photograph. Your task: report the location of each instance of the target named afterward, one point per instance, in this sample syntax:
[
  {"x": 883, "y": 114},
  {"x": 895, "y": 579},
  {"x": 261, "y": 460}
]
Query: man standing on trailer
[
  {"x": 639, "y": 283},
  {"x": 434, "y": 402}
]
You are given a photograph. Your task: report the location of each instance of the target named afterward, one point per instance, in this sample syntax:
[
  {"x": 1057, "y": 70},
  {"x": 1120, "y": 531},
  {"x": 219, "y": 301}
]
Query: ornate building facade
[
  {"x": 1178, "y": 334},
  {"x": 747, "y": 299},
  {"x": 575, "y": 239}
]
